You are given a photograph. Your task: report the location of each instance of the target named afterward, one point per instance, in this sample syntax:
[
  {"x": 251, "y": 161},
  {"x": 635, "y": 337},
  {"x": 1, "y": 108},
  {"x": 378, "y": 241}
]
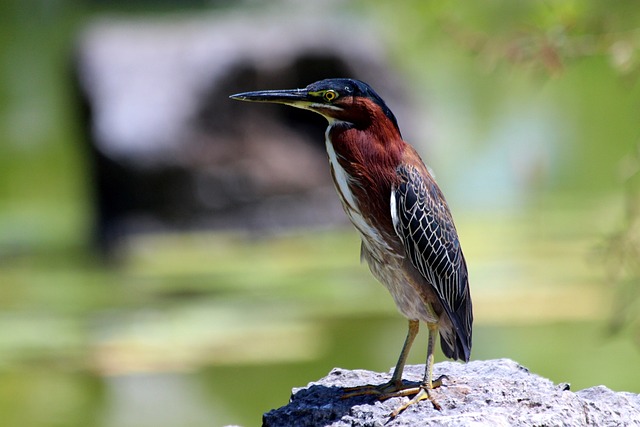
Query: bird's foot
[
  {"x": 395, "y": 388},
  {"x": 382, "y": 391},
  {"x": 421, "y": 393}
]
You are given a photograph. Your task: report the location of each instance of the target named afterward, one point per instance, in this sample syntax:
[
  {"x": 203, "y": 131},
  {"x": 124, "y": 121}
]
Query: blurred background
[{"x": 170, "y": 257}]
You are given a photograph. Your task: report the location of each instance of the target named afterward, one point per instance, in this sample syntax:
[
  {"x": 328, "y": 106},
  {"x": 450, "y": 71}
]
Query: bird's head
[{"x": 346, "y": 100}]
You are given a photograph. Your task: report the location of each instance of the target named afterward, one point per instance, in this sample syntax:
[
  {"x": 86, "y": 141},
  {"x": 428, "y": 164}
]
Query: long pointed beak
[{"x": 294, "y": 97}]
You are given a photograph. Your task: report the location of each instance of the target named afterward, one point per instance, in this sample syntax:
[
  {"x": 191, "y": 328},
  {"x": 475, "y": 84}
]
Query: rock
[{"x": 480, "y": 393}]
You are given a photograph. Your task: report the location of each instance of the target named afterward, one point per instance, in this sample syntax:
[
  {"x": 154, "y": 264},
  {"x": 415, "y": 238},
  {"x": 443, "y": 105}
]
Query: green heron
[{"x": 408, "y": 236}]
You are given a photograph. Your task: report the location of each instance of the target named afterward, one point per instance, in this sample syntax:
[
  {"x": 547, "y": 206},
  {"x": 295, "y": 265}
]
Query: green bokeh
[{"x": 224, "y": 325}]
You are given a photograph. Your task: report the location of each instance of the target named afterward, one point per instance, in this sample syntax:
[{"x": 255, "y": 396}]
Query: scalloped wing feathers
[{"x": 423, "y": 222}]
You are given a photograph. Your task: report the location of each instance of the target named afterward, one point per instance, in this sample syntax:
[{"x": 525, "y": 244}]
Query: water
[{"x": 215, "y": 329}]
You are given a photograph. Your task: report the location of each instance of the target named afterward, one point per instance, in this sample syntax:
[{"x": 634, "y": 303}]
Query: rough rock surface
[{"x": 480, "y": 393}]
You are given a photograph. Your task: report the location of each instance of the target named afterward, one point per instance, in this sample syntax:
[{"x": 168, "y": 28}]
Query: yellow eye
[{"x": 330, "y": 95}]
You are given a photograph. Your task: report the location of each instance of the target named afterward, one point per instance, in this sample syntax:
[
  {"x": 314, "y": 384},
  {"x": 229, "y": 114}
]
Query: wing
[{"x": 423, "y": 222}]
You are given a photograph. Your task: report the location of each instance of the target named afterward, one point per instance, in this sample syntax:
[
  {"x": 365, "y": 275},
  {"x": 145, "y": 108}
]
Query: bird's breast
[
  {"x": 345, "y": 184},
  {"x": 381, "y": 247}
]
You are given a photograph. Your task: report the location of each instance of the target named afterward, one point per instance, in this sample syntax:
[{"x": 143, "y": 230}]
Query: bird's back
[
  {"x": 424, "y": 224},
  {"x": 408, "y": 236}
]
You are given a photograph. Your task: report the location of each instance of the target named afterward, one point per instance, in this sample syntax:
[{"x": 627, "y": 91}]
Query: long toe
[
  {"x": 382, "y": 391},
  {"x": 423, "y": 394},
  {"x": 391, "y": 389}
]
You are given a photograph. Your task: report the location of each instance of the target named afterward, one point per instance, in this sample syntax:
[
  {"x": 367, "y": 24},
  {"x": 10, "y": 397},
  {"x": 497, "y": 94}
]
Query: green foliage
[
  {"x": 539, "y": 97},
  {"x": 621, "y": 254}
]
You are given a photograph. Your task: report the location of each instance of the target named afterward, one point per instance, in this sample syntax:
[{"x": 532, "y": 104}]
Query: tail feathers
[
  {"x": 455, "y": 335},
  {"x": 456, "y": 325},
  {"x": 456, "y": 349}
]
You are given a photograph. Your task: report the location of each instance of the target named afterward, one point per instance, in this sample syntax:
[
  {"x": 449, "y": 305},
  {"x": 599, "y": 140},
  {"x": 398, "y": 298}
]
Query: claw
[
  {"x": 383, "y": 391},
  {"x": 395, "y": 387},
  {"x": 423, "y": 394},
  {"x": 398, "y": 389}
]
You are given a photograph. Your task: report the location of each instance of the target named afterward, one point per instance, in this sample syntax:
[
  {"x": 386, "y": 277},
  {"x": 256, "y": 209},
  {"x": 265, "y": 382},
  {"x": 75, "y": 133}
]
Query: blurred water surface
[
  {"x": 210, "y": 329},
  {"x": 528, "y": 112}
]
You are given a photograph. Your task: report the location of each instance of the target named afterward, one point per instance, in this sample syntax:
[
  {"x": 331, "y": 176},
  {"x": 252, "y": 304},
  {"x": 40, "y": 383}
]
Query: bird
[{"x": 408, "y": 237}]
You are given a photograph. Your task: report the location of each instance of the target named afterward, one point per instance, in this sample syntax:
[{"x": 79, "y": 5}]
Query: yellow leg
[
  {"x": 427, "y": 383},
  {"x": 428, "y": 372},
  {"x": 414, "y": 327},
  {"x": 395, "y": 388},
  {"x": 391, "y": 388}
]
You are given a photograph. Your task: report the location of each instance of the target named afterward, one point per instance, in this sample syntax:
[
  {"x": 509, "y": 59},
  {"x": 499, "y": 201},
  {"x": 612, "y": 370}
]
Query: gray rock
[{"x": 480, "y": 393}]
